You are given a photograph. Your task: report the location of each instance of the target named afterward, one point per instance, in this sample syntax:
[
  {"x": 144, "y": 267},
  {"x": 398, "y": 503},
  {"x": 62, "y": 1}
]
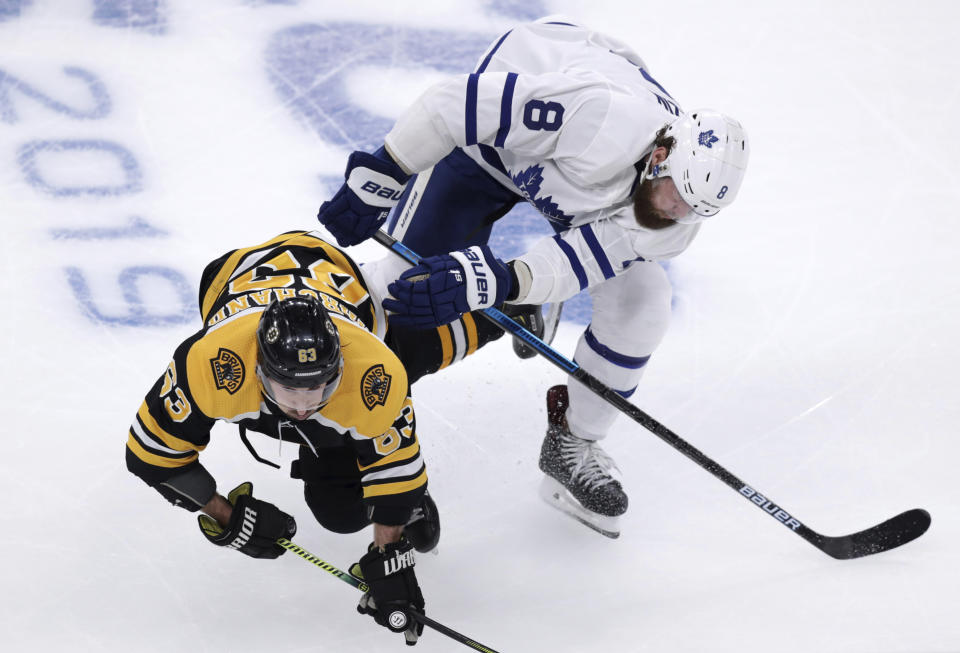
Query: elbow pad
[{"x": 191, "y": 490}]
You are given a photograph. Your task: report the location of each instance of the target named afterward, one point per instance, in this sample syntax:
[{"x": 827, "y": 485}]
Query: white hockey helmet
[{"x": 707, "y": 162}]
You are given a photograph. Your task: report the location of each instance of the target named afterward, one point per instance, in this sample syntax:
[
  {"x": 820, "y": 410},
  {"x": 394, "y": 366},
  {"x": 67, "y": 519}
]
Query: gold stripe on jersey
[
  {"x": 471, "y": 330},
  {"x": 448, "y": 342},
  {"x": 155, "y": 459},
  {"x": 169, "y": 440},
  {"x": 406, "y": 453},
  {"x": 446, "y": 345},
  {"x": 397, "y": 487}
]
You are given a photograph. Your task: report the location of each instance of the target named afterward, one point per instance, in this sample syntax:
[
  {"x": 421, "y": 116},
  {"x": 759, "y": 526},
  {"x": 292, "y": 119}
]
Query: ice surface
[{"x": 813, "y": 350}]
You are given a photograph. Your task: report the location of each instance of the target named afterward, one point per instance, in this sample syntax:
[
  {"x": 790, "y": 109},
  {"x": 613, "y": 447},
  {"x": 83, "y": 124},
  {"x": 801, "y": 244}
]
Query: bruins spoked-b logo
[
  {"x": 227, "y": 370},
  {"x": 375, "y": 386}
]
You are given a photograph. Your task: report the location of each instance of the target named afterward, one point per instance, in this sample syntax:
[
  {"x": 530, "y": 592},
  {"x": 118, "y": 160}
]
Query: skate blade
[{"x": 560, "y": 498}]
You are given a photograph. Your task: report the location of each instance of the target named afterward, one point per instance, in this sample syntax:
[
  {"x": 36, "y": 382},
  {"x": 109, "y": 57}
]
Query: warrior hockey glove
[
  {"x": 441, "y": 288},
  {"x": 254, "y": 526},
  {"x": 374, "y": 184},
  {"x": 393, "y": 589}
]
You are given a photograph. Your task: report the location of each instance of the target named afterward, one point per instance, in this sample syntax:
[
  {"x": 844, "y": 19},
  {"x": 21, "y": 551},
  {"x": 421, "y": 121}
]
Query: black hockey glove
[
  {"x": 374, "y": 183},
  {"x": 254, "y": 526},
  {"x": 393, "y": 589},
  {"x": 442, "y": 288}
]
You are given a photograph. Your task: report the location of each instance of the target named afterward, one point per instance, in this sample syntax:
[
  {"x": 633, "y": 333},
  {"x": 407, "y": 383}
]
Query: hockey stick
[
  {"x": 363, "y": 587},
  {"x": 896, "y": 531}
]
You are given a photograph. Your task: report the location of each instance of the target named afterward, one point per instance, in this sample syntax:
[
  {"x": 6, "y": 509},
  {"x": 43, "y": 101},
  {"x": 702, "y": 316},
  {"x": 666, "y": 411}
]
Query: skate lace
[{"x": 587, "y": 461}]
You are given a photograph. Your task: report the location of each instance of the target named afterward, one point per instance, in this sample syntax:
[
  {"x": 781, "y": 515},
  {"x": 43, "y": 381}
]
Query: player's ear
[{"x": 658, "y": 156}]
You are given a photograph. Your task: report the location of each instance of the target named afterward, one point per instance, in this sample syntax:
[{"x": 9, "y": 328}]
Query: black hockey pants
[{"x": 331, "y": 488}]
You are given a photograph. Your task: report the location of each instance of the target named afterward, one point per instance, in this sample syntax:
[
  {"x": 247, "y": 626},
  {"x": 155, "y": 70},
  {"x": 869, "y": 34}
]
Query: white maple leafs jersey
[{"x": 559, "y": 114}]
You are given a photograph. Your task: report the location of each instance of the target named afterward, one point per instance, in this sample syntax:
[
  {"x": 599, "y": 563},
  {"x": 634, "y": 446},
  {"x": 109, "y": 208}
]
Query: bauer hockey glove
[
  {"x": 254, "y": 526},
  {"x": 393, "y": 588},
  {"x": 374, "y": 184},
  {"x": 441, "y": 288}
]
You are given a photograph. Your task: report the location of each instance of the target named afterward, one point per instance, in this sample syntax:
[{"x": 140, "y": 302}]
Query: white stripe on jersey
[
  {"x": 459, "y": 340},
  {"x": 563, "y": 265},
  {"x": 149, "y": 443},
  {"x": 410, "y": 469}
]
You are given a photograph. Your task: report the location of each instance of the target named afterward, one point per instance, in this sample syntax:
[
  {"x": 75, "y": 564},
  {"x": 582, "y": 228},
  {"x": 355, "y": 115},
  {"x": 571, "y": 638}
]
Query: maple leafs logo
[
  {"x": 528, "y": 183},
  {"x": 707, "y": 139}
]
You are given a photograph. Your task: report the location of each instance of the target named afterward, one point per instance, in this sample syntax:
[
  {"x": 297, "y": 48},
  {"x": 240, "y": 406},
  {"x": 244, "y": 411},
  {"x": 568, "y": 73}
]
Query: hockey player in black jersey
[{"x": 294, "y": 346}]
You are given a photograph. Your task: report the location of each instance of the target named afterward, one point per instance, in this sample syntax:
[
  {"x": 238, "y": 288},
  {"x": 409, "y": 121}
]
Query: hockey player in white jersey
[{"x": 573, "y": 122}]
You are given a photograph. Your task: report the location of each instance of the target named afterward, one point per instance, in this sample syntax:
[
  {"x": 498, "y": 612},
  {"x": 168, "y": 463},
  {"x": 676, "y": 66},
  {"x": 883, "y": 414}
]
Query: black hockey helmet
[{"x": 299, "y": 346}]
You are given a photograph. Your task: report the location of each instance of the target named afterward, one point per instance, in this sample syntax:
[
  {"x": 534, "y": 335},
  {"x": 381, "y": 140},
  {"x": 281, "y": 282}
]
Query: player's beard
[{"x": 643, "y": 210}]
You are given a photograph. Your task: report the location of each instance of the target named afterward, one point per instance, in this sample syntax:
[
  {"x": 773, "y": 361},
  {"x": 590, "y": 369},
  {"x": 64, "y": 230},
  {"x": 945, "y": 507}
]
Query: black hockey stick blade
[{"x": 896, "y": 531}]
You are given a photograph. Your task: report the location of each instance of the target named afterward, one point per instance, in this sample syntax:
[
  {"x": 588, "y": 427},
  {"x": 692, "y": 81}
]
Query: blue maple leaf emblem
[
  {"x": 528, "y": 183},
  {"x": 707, "y": 139}
]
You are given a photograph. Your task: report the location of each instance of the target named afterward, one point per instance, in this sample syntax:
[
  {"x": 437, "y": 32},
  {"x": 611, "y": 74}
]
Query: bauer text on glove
[
  {"x": 441, "y": 288},
  {"x": 374, "y": 183}
]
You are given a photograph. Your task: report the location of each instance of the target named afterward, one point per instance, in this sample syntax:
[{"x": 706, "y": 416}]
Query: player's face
[
  {"x": 298, "y": 403},
  {"x": 667, "y": 201},
  {"x": 657, "y": 203}
]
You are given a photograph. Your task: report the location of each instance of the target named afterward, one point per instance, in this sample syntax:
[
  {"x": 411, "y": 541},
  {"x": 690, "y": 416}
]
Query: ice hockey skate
[
  {"x": 423, "y": 528},
  {"x": 579, "y": 477},
  {"x": 530, "y": 317}
]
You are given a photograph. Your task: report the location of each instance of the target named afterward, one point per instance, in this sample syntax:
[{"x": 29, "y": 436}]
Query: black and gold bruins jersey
[{"x": 213, "y": 374}]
